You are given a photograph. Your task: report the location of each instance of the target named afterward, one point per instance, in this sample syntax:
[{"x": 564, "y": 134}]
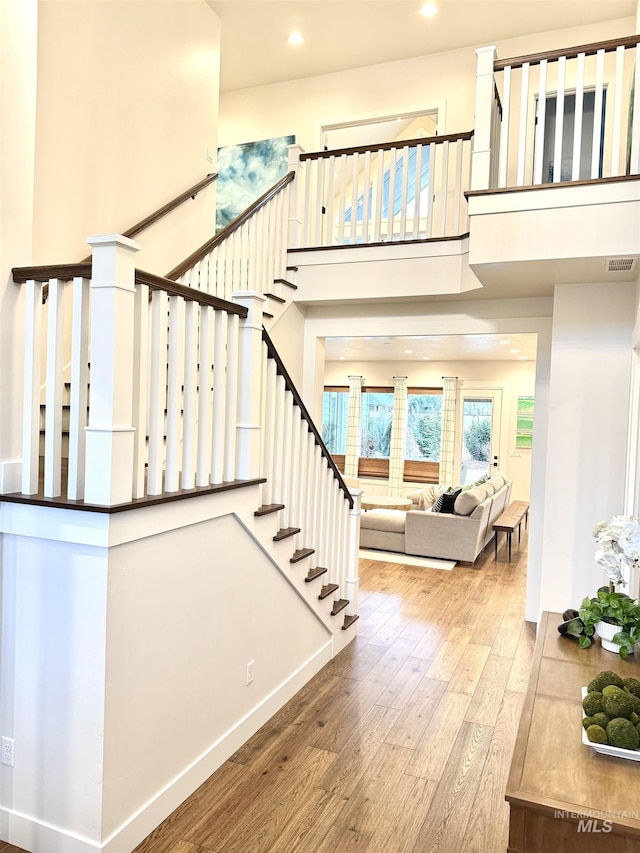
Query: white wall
[
  {"x": 287, "y": 335},
  {"x": 514, "y": 379},
  {"x": 18, "y": 38},
  {"x": 127, "y": 108},
  {"x": 446, "y": 80},
  {"x": 587, "y": 441},
  {"x": 125, "y": 640}
]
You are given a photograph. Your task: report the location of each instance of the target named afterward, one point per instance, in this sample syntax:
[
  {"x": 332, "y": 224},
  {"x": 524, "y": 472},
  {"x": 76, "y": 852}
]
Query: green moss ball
[
  {"x": 604, "y": 679},
  {"x": 597, "y": 734},
  {"x": 588, "y": 721},
  {"x": 622, "y": 733},
  {"x": 635, "y": 702},
  {"x": 633, "y": 686},
  {"x": 601, "y": 719},
  {"x": 593, "y": 703},
  {"x": 611, "y": 689},
  {"x": 617, "y": 704}
]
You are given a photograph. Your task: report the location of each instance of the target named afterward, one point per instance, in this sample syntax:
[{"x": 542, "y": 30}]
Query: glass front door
[{"x": 480, "y": 435}]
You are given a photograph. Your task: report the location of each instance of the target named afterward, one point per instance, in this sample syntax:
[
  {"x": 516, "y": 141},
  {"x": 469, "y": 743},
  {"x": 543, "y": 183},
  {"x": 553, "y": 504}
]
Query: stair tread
[
  {"x": 315, "y": 573},
  {"x": 267, "y": 315},
  {"x": 339, "y": 605},
  {"x": 286, "y": 283},
  {"x": 349, "y": 620},
  {"x": 292, "y": 269},
  {"x": 327, "y": 589},
  {"x": 275, "y": 298},
  {"x": 300, "y": 554},
  {"x": 267, "y": 509},
  {"x": 285, "y": 533}
]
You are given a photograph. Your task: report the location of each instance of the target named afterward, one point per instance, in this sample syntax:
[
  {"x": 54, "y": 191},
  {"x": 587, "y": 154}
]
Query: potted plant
[{"x": 612, "y": 615}]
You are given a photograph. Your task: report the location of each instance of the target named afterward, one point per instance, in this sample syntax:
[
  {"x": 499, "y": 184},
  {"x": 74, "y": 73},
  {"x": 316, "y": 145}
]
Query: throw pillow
[
  {"x": 429, "y": 494},
  {"x": 468, "y": 501},
  {"x": 445, "y": 502}
]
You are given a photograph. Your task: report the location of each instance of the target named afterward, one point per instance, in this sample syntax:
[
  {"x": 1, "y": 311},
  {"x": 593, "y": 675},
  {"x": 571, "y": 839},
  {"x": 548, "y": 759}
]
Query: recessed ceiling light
[
  {"x": 296, "y": 38},
  {"x": 505, "y": 342},
  {"x": 408, "y": 351},
  {"x": 342, "y": 358},
  {"x": 425, "y": 358},
  {"x": 522, "y": 358},
  {"x": 429, "y": 10},
  {"x": 514, "y": 351}
]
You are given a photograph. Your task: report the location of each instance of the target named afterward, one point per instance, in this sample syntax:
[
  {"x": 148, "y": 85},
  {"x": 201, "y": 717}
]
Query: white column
[
  {"x": 398, "y": 443},
  {"x": 295, "y": 199},
  {"x": 109, "y": 452},
  {"x": 249, "y": 385},
  {"x": 481, "y": 158},
  {"x": 354, "y": 415}
]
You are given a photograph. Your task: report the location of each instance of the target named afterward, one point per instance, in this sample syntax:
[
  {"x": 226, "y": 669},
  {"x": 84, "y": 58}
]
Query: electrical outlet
[
  {"x": 250, "y": 671},
  {"x": 8, "y": 746}
]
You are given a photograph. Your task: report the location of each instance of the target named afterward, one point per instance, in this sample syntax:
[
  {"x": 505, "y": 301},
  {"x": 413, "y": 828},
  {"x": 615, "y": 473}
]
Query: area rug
[{"x": 406, "y": 559}]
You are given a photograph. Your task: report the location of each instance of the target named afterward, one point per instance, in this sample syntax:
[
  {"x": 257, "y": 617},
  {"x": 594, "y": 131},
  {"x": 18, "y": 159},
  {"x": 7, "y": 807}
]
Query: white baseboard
[{"x": 28, "y": 833}]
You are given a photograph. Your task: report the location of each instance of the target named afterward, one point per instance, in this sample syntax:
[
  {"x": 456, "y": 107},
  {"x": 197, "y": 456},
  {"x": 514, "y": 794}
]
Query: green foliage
[
  {"x": 329, "y": 436},
  {"x": 477, "y": 440},
  {"x": 613, "y": 607},
  {"x": 427, "y": 435},
  {"x": 376, "y": 439}
]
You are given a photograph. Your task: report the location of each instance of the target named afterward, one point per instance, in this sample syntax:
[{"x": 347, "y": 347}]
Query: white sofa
[{"x": 461, "y": 535}]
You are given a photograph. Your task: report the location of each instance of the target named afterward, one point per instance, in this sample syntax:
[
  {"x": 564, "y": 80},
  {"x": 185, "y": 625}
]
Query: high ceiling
[
  {"x": 516, "y": 347},
  {"x": 342, "y": 34}
]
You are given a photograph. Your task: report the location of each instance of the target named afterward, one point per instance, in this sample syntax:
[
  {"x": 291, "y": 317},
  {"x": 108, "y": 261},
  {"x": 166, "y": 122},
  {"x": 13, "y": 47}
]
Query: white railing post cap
[{"x": 113, "y": 240}]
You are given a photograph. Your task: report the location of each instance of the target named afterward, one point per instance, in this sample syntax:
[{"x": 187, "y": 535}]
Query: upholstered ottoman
[{"x": 382, "y": 529}]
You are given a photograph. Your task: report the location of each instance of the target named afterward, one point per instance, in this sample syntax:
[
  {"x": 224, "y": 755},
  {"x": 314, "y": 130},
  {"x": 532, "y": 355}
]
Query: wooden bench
[{"x": 508, "y": 521}]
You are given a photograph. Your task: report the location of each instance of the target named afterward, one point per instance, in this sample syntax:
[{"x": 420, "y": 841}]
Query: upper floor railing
[
  {"x": 391, "y": 192},
  {"x": 565, "y": 115}
]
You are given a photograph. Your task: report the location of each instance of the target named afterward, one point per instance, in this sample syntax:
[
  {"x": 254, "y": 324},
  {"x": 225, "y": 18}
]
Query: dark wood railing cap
[
  {"x": 387, "y": 146},
  {"x": 158, "y": 282},
  {"x": 225, "y": 232},
  {"x": 297, "y": 399},
  {"x": 569, "y": 52},
  {"x": 63, "y": 272}
]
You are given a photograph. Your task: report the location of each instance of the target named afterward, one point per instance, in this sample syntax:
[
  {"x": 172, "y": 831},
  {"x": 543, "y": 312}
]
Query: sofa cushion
[
  {"x": 489, "y": 486},
  {"x": 430, "y": 493},
  {"x": 497, "y": 481},
  {"x": 387, "y": 520},
  {"x": 467, "y": 501},
  {"x": 446, "y": 501},
  {"x": 414, "y": 497}
]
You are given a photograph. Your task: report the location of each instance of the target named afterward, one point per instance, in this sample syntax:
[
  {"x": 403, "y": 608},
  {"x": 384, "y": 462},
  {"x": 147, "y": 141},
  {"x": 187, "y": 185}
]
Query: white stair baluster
[
  {"x": 31, "y": 400},
  {"x": 597, "y": 116},
  {"x": 53, "y": 394},
  {"x": 522, "y": 132},
  {"x": 79, "y": 378},
  {"x": 231, "y": 402},
  {"x": 557, "y": 148},
  {"x": 190, "y": 395},
  {"x": 540, "y": 125},
  {"x": 175, "y": 380},
  {"x": 503, "y": 157},
  {"x": 158, "y": 380},
  {"x": 617, "y": 112}
]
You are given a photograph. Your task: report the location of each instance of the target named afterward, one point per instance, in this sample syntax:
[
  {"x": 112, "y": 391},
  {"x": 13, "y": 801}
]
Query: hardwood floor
[{"x": 401, "y": 744}]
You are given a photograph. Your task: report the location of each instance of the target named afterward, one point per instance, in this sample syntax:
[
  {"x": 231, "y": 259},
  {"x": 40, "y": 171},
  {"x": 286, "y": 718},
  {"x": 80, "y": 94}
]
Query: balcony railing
[
  {"x": 566, "y": 115},
  {"x": 397, "y": 191}
]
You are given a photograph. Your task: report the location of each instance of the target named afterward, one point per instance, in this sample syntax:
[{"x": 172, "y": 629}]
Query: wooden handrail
[
  {"x": 387, "y": 146},
  {"x": 64, "y": 272},
  {"x": 225, "y": 232},
  {"x": 192, "y": 192},
  {"x": 297, "y": 399},
  {"x": 569, "y": 53},
  {"x": 157, "y": 282}
]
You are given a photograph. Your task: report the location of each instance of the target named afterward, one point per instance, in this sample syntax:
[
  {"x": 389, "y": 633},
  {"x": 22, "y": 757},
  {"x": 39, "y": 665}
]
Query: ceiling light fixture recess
[
  {"x": 296, "y": 38},
  {"x": 428, "y": 10},
  {"x": 408, "y": 351}
]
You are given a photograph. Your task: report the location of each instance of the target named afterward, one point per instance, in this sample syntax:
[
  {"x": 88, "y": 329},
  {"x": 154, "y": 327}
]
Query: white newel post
[
  {"x": 295, "y": 199},
  {"x": 352, "y": 582},
  {"x": 249, "y": 385},
  {"x": 110, "y": 434},
  {"x": 481, "y": 158}
]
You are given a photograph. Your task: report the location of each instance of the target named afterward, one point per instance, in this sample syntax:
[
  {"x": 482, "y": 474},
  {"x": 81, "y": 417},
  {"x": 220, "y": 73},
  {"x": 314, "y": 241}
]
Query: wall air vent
[{"x": 621, "y": 264}]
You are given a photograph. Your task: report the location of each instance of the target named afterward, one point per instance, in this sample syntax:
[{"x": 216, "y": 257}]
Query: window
[
  {"x": 425, "y": 423},
  {"x": 377, "y": 413},
  {"x": 524, "y": 423},
  {"x": 335, "y": 408}
]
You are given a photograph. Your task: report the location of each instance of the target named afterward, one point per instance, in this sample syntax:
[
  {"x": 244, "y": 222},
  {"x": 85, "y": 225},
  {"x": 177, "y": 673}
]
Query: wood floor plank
[
  {"x": 487, "y": 829},
  {"x": 312, "y": 822},
  {"x": 451, "y": 651},
  {"x": 409, "y": 810},
  {"x": 375, "y": 794},
  {"x": 418, "y": 713},
  {"x": 487, "y": 698},
  {"x": 352, "y": 761},
  {"x": 403, "y": 684},
  {"x": 468, "y": 672},
  {"x": 432, "y": 752},
  {"x": 519, "y": 674},
  {"x": 357, "y": 660},
  {"x": 340, "y": 840},
  {"x": 444, "y": 827}
]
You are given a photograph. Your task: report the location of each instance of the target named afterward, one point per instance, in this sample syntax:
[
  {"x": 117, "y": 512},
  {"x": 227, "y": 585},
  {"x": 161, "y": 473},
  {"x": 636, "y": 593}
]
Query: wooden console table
[{"x": 563, "y": 795}]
